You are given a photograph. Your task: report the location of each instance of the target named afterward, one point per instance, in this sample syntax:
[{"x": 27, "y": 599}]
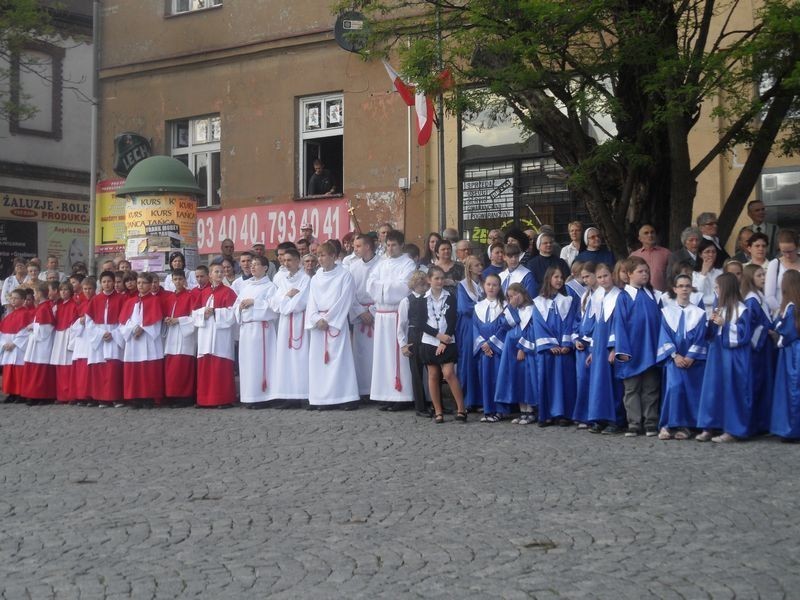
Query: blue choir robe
[
  {"x": 467, "y": 367},
  {"x": 555, "y": 325},
  {"x": 605, "y": 390},
  {"x": 726, "y": 398},
  {"x": 491, "y": 270},
  {"x": 636, "y": 329},
  {"x": 512, "y": 385},
  {"x": 585, "y": 330},
  {"x": 489, "y": 326},
  {"x": 762, "y": 361},
  {"x": 785, "y": 420},
  {"x": 520, "y": 275},
  {"x": 695, "y": 298},
  {"x": 683, "y": 331}
]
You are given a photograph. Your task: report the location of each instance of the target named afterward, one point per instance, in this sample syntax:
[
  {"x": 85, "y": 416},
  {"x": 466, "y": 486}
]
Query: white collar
[{"x": 672, "y": 315}]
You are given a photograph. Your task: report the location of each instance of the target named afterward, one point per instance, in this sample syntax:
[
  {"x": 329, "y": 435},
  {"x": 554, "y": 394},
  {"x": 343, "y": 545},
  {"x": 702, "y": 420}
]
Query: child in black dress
[{"x": 438, "y": 349}]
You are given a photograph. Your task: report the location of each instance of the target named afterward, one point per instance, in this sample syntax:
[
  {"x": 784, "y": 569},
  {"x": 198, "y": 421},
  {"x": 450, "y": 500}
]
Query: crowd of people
[{"x": 679, "y": 345}]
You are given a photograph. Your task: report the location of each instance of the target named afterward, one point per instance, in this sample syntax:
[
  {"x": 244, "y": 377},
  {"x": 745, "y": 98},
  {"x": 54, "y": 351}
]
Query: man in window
[{"x": 321, "y": 182}]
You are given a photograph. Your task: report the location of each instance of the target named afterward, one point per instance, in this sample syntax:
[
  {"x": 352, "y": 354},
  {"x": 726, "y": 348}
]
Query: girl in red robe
[
  {"x": 38, "y": 375},
  {"x": 66, "y": 313}
]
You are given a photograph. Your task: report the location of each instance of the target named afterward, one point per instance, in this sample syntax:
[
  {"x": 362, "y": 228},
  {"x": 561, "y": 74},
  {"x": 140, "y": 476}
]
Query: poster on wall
[
  {"x": 147, "y": 212},
  {"x": 70, "y": 243},
  {"x": 16, "y": 239},
  {"x": 109, "y": 230}
]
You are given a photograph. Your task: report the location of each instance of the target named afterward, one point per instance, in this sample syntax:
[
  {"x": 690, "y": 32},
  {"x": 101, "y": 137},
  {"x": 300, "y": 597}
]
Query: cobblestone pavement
[{"x": 289, "y": 504}]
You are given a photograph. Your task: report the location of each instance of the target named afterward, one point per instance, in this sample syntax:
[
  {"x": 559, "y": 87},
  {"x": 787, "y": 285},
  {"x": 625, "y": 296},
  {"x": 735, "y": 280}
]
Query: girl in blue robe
[
  {"x": 468, "y": 292},
  {"x": 513, "y": 387},
  {"x": 605, "y": 410},
  {"x": 785, "y": 420},
  {"x": 555, "y": 328},
  {"x": 583, "y": 345},
  {"x": 489, "y": 327},
  {"x": 682, "y": 349},
  {"x": 763, "y": 355},
  {"x": 726, "y": 399}
]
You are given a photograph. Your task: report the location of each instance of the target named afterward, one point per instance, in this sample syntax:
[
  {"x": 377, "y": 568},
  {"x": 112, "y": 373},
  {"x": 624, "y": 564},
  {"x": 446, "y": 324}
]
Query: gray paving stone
[{"x": 289, "y": 504}]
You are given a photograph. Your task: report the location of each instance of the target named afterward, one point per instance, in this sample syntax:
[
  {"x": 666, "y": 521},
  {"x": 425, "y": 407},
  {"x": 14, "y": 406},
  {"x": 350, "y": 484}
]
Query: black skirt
[{"x": 427, "y": 355}]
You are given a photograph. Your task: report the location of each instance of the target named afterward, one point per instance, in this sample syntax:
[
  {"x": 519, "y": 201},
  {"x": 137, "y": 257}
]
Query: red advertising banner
[{"x": 271, "y": 225}]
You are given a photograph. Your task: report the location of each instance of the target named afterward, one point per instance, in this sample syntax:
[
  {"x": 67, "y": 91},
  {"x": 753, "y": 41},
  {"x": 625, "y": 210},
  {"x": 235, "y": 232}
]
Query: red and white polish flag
[{"x": 421, "y": 103}]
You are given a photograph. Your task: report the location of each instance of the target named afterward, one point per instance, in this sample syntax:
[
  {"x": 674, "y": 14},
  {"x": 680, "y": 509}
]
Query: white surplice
[
  {"x": 391, "y": 375},
  {"x": 290, "y": 381},
  {"x": 257, "y": 326},
  {"x": 363, "y": 335},
  {"x": 215, "y": 336},
  {"x": 330, "y": 353}
]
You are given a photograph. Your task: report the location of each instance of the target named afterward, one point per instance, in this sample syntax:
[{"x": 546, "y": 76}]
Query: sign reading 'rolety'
[{"x": 40, "y": 208}]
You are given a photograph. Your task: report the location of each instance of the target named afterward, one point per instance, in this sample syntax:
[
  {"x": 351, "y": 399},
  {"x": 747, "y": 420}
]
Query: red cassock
[
  {"x": 143, "y": 365},
  {"x": 105, "y": 379},
  {"x": 39, "y": 377},
  {"x": 79, "y": 382},
  {"x": 215, "y": 374},
  {"x": 67, "y": 312},
  {"x": 13, "y": 323},
  {"x": 180, "y": 370}
]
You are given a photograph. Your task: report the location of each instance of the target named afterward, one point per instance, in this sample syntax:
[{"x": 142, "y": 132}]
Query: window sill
[
  {"x": 192, "y": 12},
  {"x": 209, "y": 208},
  {"x": 319, "y": 197}
]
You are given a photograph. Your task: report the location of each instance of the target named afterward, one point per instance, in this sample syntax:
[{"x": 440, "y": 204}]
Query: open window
[
  {"x": 196, "y": 143},
  {"x": 320, "y": 139}
]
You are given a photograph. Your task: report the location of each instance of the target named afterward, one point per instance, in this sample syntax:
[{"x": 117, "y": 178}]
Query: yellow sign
[
  {"x": 143, "y": 212},
  {"x": 109, "y": 228}
]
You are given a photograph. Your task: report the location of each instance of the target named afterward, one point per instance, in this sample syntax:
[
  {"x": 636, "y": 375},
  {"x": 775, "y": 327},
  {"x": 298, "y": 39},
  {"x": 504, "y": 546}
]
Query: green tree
[
  {"x": 616, "y": 87},
  {"x": 21, "y": 22}
]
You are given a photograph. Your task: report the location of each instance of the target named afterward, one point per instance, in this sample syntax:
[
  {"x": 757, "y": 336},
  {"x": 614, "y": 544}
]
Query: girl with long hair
[
  {"x": 468, "y": 292},
  {"x": 583, "y": 342},
  {"x": 726, "y": 398},
  {"x": 785, "y": 421},
  {"x": 489, "y": 334}
]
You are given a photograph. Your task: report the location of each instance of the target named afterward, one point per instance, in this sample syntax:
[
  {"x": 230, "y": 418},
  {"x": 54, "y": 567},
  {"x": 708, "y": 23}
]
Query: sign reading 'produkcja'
[{"x": 39, "y": 208}]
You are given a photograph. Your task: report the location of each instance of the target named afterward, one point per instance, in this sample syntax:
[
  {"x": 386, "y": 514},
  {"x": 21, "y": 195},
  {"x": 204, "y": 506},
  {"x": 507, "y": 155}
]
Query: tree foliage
[
  {"x": 616, "y": 87},
  {"x": 21, "y": 22}
]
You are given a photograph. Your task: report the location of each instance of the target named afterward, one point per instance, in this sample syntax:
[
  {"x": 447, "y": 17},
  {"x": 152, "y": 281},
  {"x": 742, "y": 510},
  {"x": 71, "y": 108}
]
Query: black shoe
[
  {"x": 386, "y": 408},
  {"x": 223, "y": 406},
  {"x": 350, "y": 406},
  {"x": 545, "y": 423},
  {"x": 564, "y": 422},
  {"x": 423, "y": 414},
  {"x": 596, "y": 428}
]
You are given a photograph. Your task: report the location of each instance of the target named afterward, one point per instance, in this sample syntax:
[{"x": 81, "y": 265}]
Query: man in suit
[
  {"x": 757, "y": 213},
  {"x": 690, "y": 240},
  {"x": 707, "y": 222}
]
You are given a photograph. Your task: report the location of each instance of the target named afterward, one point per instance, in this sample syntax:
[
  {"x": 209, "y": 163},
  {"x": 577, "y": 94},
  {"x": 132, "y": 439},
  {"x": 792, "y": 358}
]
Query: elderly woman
[
  {"x": 594, "y": 252},
  {"x": 690, "y": 241}
]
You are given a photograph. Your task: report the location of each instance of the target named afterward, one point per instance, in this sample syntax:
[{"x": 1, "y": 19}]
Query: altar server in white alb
[
  {"x": 289, "y": 301},
  {"x": 330, "y": 353},
  {"x": 388, "y": 285},
  {"x": 361, "y": 312},
  {"x": 257, "y": 334}
]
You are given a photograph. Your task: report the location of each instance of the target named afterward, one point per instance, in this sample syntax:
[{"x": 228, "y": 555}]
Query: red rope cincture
[
  {"x": 398, "y": 385},
  {"x": 293, "y": 339},
  {"x": 264, "y": 327},
  {"x": 369, "y": 329},
  {"x": 329, "y": 333}
]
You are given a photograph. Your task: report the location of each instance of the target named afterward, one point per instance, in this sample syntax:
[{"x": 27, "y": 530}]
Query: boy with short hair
[
  {"x": 105, "y": 343},
  {"x": 39, "y": 376},
  {"x": 14, "y": 338}
]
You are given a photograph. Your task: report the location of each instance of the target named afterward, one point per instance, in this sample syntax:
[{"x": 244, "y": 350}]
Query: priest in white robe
[
  {"x": 388, "y": 285},
  {"x": 291, "y": 358},
  {"x": 330, "y": 353}
]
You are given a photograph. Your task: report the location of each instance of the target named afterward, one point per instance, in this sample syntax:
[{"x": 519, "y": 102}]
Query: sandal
[
  {"x": 682, "y": 434},
  {"x": 438, "y": 419},
  {"x": 704, "y": 436},
  {"x": 491, "y": 419},
  {"x": 664, "y": 434},
  {"x": 461, "y": 417}
]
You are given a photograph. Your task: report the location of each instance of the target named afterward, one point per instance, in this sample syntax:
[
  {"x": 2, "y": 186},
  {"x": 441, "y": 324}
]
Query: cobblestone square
[{"x": 290, "y": 504}]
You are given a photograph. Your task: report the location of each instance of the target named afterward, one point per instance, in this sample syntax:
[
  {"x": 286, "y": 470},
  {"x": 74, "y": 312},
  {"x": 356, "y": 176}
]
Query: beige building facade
[{"x": 247, "y": 94}]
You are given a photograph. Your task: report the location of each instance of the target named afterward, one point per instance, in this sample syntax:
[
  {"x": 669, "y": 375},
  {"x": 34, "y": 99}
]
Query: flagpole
[
  {"x": 93, "y": 152},
  {"x": 440, "y": 117}
]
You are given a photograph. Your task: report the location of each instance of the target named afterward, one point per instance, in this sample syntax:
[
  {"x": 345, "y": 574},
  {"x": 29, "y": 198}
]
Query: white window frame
[
  {"x": 180, "y": 7},
  {"x": 200, "y": 142},
  {"x": 325, "y": 129}
]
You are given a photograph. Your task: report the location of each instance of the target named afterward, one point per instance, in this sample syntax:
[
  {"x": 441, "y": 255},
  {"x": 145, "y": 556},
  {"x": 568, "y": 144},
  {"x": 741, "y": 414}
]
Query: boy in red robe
[
  {"x": 79, "y": 383},
  {"x": 38, "y": 375},
  {"x": 105, "y": 343},
  {"x": 66, "y": 313},
  {"x": 143, "y": 360},
  {"x": 180, "y": 346},
  {"x": 14, "y": 337}
]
